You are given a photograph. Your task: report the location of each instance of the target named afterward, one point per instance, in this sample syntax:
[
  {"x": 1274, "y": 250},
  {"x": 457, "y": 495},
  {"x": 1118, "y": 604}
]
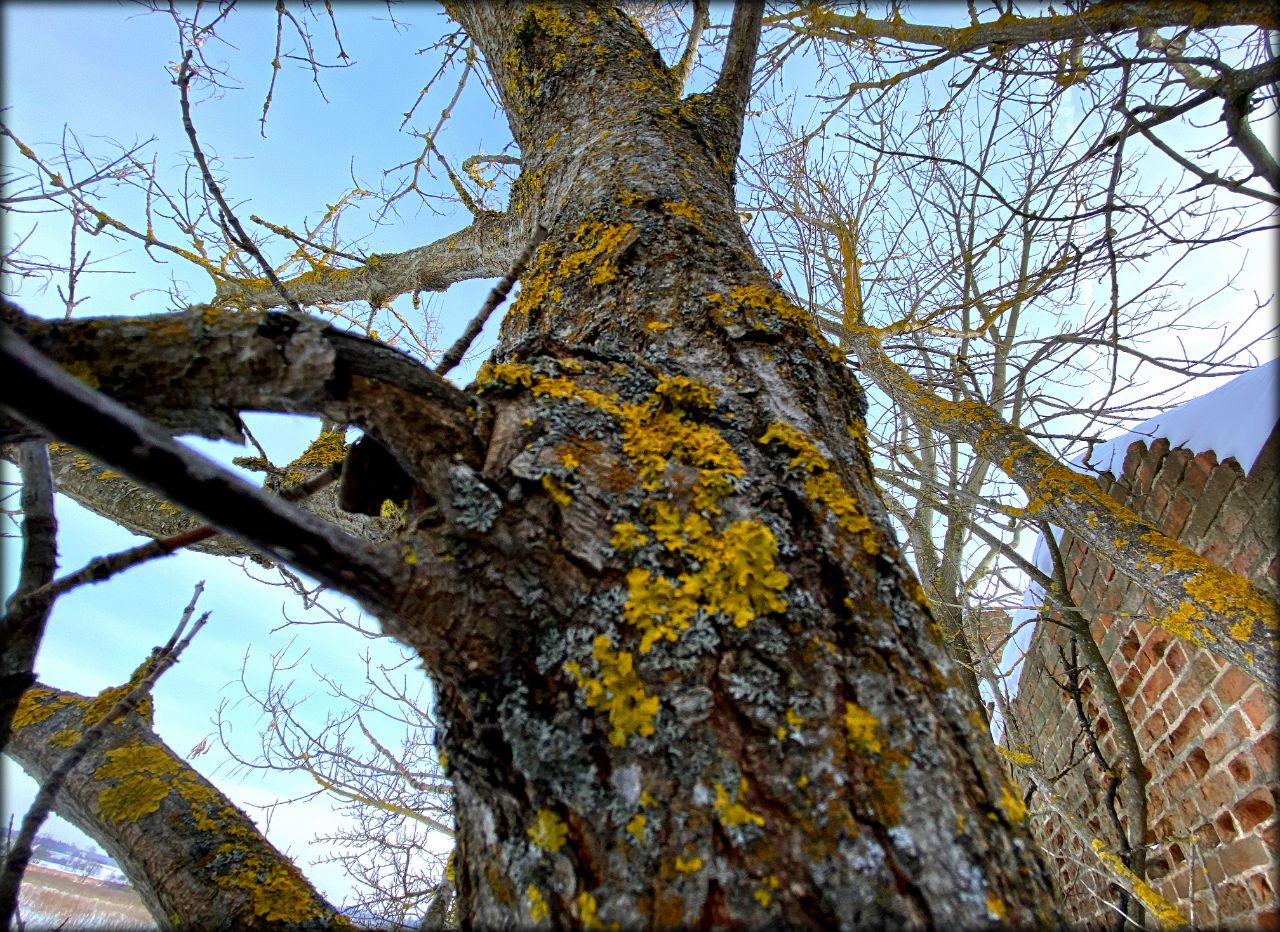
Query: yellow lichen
[
  {"x": 1167, "y": 915},
  {"x": 538, "y": 908},
  {"x": 547, "y": 831},
  {"x": 142, "y": 777},
  {"x": 328, "y": 448},
  {"x": 687, "y": 866},
  {"x": 37, "y": 704},
  {"x": 1014, "y": 809},
  {"x": 1016, "y": 757},
  {"x": 64, "y": 738},
  {"x": 635, "y": 827},
  {"x": 619, "y": 691},
  {"x": 732, "y": 813},
  {"x": 627, "y": 536},
  {"x": 860, "y": 728},
  {"x": 822, "y": 485}
]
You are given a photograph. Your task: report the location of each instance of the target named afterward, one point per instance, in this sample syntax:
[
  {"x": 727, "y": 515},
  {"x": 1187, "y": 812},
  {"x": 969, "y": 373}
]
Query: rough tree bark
[{"x": 684, "y": 674}]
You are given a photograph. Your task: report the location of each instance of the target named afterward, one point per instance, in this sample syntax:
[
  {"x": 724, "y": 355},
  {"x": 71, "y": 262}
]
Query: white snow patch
[{"x": 1232, "y": 420}]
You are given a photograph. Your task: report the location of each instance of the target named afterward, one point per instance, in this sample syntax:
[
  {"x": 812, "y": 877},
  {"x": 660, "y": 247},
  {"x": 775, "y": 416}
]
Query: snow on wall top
[{"x": 1232, "y": 420}]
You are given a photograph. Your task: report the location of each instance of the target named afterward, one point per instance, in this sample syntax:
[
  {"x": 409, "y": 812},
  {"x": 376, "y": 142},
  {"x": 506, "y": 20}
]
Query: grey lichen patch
[{"x": 475, "y": 505}]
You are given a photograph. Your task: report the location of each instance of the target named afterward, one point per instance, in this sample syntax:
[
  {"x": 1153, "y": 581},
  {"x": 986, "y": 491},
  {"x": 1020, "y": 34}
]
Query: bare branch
[
  {"x": 496, "y": 297},
  {"x": 46, "y": 397},
  {"x": 22, "y": 628}
]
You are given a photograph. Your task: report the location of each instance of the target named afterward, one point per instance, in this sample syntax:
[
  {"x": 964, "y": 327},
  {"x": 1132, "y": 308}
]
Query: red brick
[
  {"x": 1217, "y": 551},
  {"x": 1229, "y": 735},
  {"x": 1249, "y": 557},
  {"x": 1231, "y": 685},
  {"x": 1133, "y": 457},
  {"x": 1186, "y": 729},
  {"x": 1175, "y": 516},
  {"x": 1198, "y": 762},
  {"x": 1130, "y": 646},
  {"x": 1214, "y": 493},
  {"x": 1264, "y": 752},
  {"x": 1176, "y": 658},
  {"x": 1243, "y": 854},
  {"x": 1241, "y": 767},
  {"x": 1226, "y": 826},
  {"x": 1154, "y": 648},
  {"x": 1256, "y": 808},
  {"x": 1257, "y": 708},
  {"x": 1156, "y": 684},
  {"x": 1129, "y": 685},
  {"x": 1261, "y": 888},
  {"x": 1268, "y": 919}
]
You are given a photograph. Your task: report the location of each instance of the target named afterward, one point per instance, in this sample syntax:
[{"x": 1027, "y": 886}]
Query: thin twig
[
  {"x": 496, "y": 297},
  {"x": 161, "y": 659},
  {"x": 240, "y": 236},
  {"x": 102, "y": 568}
]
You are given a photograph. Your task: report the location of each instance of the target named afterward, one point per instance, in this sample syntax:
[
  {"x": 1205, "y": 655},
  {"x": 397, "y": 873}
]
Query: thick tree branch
[
  {"x": 733, "y": 86},
  {"x": 1011, "y": 30},
  {"x": 48, "y": 398},
  {"x": 1206, "y": 605},
  {"x": 683, "y": 67},
  {"x": 484, "y": 249},
  {"x": 186, "y": 848}
]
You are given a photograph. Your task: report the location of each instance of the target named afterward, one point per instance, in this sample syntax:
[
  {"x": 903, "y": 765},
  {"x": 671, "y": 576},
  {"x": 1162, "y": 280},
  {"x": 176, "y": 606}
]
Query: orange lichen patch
[
  {"x": 37, "y": 704},
  {"x": 1016, "y": 757},
  {"x": 618, "y": 690},
  {"x": 681, "y": 865},
  {"x": 760, "y": 297},
  {"x": 1209, "y": 589},
  {"x": 682, "y": 392},
  {"x": 596, "y": 240},
  {"x": 1014, "y": 809},
  {"x": 733, "y": 813},
  {"x": 504, "y": 373},
  {"x": 547, "y": 831},
  {"x": 683, "y": 209},
  {"x": 996, "y": 908},
  {"x": 635, "y": 827},
  {"x": 736, "y": 575},
  {"x": 329, "y": 447},
  {"x": 627, "y": 536},
  {"x": 64, "y": 738},
  {"x": 822, "y": 485}
]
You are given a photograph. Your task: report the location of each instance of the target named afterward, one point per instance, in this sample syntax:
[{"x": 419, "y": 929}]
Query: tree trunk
[{"x": 701, "y": 686}]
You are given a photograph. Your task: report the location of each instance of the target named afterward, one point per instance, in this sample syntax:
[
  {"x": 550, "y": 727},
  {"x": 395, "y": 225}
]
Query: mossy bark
[{"x": 196, "y": 860}]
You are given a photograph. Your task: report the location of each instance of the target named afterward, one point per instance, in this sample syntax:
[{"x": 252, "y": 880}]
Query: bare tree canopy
[{"x": 693, "y": 564}]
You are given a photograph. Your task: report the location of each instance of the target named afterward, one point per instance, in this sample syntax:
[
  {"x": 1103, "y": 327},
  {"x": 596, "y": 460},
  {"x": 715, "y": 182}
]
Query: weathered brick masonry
[{"x": 1207, "y": 734}]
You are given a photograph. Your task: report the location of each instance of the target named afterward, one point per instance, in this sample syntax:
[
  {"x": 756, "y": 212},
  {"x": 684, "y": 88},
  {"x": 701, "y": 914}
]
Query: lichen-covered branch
[
  {"x": 196, "y": 860},
  {"x": 1204, "y": 604},
  {"x": 483, "y": 249},
  {"x": 1010, "y": 30}
]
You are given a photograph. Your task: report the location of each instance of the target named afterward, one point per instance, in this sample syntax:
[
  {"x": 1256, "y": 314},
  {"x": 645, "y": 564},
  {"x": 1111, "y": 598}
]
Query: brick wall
[{"x": 1208, "y": 735}]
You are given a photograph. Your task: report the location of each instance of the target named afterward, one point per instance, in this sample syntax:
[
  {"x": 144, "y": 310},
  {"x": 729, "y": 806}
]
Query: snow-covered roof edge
[{"x": 1232, "y": 420}]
